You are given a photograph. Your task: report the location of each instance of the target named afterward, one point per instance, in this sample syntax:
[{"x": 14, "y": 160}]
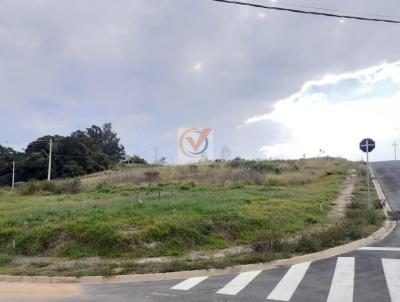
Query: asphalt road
[
  {"x": 369, "y": 274},
  {"x": 388, "y": 175}
]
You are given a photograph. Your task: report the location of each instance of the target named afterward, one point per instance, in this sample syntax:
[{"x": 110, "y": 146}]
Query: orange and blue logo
[{"x": 194, "y": 144}]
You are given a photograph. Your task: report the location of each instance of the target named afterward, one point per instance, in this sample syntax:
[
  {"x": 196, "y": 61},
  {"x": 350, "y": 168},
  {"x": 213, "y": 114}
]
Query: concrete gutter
[
  {"x": 385, "y": 204},
  {"x": 380, "y": 234}
]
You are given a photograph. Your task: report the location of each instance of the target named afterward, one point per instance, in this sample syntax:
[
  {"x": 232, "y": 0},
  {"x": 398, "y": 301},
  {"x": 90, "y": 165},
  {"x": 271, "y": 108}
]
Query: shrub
[
  {"x": 185, "y": 187},
  {"x": 151, "y": 175},
  {"x": 311, "y": 219},
  {"x": 105, "y": 188},
  {"x": 269, "y": 241},
  {"x": 30, "y": 188},
  {"x": 72, "y": 186},
  {"x": 36, "y": 241},
  {"x": 69, "y": 186},
  {"x": 6, "y": 234},
  {"x": 5, "y": 259}
]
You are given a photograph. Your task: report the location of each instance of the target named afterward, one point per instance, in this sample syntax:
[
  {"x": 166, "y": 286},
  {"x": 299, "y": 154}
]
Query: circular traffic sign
[{"x": 367, "y": 145}]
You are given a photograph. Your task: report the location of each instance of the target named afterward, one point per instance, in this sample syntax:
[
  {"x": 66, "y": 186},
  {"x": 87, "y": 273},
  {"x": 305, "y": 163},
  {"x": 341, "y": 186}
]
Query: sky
[{"x": 271, "y": 84}]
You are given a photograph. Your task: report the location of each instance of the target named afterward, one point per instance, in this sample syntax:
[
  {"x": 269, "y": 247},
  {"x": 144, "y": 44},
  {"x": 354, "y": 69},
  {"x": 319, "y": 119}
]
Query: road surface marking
[
  {"x": 391, "y": 267},
  {"x": 238, "y": 283},
  {"x": 189, "y": 283},
  {"x": 342, "y": 286},
  {"x": 373, "y": 248},
  {"x": 289, "y": 283},
  {"x": 162, "y": 294}
]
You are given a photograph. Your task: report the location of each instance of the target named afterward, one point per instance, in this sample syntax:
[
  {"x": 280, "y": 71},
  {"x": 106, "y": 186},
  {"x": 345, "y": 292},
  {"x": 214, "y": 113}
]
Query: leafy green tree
[
  {"x": 7, "y": 156},
  {"x": 136, "y": 159},
  {"x": 79, "y": 155},
  {"x": 34, "y": 164},
  {"x": 108, "y": 141},
  {"x": 83, "y": 152}
]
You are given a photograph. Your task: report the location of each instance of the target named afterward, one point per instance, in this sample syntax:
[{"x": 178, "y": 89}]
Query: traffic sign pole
[
  {"x": 368, "y": 178},
  {"x": 368, "y": 145}
]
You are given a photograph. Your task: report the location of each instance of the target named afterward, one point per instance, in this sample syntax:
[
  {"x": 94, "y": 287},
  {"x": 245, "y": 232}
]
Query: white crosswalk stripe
[
  {"x": 289, "y": 283},
  {"x": 342, "y": 286},
  {"x": 380, "y": 249},
  {"x": 189, "y": 283},
  {"x": 391, "y": 268},
  {"x": 238, "y": 283}
]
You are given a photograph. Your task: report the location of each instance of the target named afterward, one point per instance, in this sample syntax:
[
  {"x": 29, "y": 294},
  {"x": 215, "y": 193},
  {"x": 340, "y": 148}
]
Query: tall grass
[
  {"x": 201, "y": 208},
  {"x": 152, "y": 211},
  {"x": 270, "y": 173},
  {"x": 67, "y": 186},
  {"x": 359, "y": 221}
]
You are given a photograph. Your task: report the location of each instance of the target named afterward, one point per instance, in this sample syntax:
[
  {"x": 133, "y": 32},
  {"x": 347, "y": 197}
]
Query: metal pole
[
  {"x": 369, "y": 186},
  {"x": 13, "y": 176},
  {"x": 49, "y": 171},
  {"x": 395, "y": 152}
]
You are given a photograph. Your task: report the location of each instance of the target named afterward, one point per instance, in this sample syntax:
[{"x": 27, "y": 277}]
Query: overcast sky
[{"x": 270, "y": 84}]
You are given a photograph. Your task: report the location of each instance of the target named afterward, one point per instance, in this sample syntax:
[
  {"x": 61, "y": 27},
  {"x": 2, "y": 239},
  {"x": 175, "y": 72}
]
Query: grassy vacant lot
[{"x": 170, "y": 211}]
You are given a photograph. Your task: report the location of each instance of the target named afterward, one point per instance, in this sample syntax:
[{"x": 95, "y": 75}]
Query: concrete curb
[
  {"x": 380, "y": 234},
  {"x": 386, "y": 207}
]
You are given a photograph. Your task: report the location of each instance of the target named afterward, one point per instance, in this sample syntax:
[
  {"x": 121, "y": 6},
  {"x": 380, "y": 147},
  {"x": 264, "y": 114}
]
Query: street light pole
[
  {"x": 49, "y": 171},
  {"x": 13, "y": 176}
]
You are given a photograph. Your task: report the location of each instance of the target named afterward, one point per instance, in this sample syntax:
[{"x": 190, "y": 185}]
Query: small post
[
  {"x": 49, "y": 171},
  {"x": 13, "y": 176}
]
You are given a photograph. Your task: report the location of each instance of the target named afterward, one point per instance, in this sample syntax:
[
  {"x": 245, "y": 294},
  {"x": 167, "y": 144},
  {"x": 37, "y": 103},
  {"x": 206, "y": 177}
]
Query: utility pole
[
  {"x": 395, "y": 145},
  {"x": 49, "y": 171},
  {"x": 13, "y": 176},
  {"x": 156, "y": 156}
]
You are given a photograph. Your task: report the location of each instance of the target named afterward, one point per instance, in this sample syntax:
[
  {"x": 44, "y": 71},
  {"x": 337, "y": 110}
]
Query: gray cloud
[{"x": 69, "y": 64}]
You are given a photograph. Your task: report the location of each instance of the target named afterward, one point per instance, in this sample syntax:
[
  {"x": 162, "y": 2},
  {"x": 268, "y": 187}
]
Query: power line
[
  {"x": 299, "y": 11},
  {"x": 73, "y": 156},
  {"x": 334, "y": 10}
]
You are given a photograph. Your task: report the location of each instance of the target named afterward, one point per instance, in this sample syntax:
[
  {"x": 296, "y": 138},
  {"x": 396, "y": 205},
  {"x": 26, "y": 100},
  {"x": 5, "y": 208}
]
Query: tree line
[{"x": 82, "y": 152}]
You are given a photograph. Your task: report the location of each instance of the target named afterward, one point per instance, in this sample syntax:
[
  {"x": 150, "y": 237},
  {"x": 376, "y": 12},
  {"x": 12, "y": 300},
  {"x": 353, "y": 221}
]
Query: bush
[
  {"x": 151, "y": 175},
  {"x": 6, "y": 235},
  {"x": 36, "y": 241},
  {"x": 269, "y": 241},
  {"x": 69, "y": 186},
  {"x": 5, "y": 259},
  {"x": 30, "y": 188}
]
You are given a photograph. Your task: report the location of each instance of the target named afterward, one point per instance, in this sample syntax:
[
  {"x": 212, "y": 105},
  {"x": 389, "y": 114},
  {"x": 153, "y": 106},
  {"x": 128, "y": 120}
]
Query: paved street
[
  {"x": 368, "y": 274},
  {"x": 388, "y": 174}
]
